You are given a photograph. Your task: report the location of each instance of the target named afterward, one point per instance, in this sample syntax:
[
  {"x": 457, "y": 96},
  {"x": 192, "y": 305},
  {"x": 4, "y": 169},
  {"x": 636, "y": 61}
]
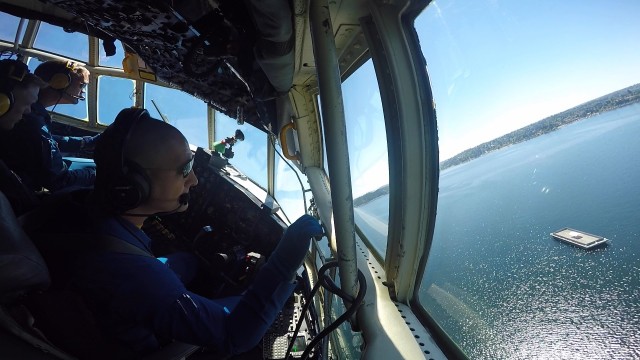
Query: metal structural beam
[{"x": 335, "y": 132}]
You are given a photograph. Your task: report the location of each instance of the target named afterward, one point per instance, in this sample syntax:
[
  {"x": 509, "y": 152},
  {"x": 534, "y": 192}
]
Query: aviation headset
[
  {"x": 61, "y": 79},
  {"x": 12, "y": 72},
  {"x": 128, "y": 185}
]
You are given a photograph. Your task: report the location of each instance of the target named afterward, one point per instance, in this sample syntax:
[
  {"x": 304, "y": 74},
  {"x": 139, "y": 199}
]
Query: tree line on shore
[{"x": 602, "y": 104}]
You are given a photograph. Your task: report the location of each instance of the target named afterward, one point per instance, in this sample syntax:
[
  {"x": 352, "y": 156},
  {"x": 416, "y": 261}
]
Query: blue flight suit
[
  {"x": 143, "y": 301},
  {"x": 34, "y": 154}
]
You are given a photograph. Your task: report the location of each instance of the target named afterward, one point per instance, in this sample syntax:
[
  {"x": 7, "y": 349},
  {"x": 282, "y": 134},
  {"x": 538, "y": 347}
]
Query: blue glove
[{"x": 289, "y": 254}]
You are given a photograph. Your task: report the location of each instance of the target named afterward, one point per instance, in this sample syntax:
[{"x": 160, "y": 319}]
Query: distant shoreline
[{"x": 612, "y": 101}]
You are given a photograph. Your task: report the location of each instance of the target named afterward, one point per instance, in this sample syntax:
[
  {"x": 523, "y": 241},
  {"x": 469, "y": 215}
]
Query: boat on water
[{"x": 579, "y": 238}]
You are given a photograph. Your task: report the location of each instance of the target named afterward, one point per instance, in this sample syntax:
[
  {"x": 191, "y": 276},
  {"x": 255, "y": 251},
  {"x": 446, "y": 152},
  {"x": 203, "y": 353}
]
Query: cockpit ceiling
[
  {"x": 235, "y": 55},
  {"x": 204, "y": 47}
]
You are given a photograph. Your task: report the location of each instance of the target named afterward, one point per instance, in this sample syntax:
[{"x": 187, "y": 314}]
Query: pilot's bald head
[
  {"x": 137, "y": 152},
  {"x": 136, "y": 136},
  {"x": 154, "y": 143}
]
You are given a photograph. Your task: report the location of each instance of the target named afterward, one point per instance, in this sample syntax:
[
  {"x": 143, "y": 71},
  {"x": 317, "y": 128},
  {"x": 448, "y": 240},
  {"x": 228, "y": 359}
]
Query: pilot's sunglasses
[{"x": 184, "y": 169}]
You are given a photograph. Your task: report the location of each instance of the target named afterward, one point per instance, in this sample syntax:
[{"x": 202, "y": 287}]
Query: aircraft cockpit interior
[
  {"x": 238, "y": 59},
  {"x": 268, "y": 179}
]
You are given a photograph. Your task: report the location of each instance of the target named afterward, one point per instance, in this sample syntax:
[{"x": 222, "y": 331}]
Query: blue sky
[{"x": 496, "y": 66}]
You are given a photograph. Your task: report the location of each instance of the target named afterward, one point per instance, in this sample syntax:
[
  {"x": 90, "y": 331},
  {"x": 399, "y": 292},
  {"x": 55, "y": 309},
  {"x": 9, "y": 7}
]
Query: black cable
[
  {"x": 334, "y": 325},
  {"x": 312, "y": 310},
  {"x": 58, "y": 101},
  {"x": 332, "y": 287},
  {"x": 325, "y": 281},
  {"x": 307, "y": 303}
]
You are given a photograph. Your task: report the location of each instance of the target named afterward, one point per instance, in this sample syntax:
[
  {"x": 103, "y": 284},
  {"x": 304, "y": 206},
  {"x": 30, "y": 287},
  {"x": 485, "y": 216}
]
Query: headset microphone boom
[{"x": 182, "y": 201}]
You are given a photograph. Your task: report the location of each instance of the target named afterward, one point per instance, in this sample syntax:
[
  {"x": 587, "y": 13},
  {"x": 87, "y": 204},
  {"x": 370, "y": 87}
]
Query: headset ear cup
[
  {"x": 138, "y": 177},
  {"x": 121, "y": 184},
  {"x": 132, "y": 188},
  {"x": 6, "y": 102},
  {"x": 60, "y": 81},
  {"x": 123, "y": 195}
]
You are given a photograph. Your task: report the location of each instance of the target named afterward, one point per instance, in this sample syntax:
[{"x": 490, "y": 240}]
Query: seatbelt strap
[
  {"x": 91, "y": 242},
  {"x": 116, "y": 245}
]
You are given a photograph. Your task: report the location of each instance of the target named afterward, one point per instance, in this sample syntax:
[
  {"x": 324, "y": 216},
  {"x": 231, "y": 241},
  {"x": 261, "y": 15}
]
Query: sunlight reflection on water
[{"x": 496, "y": 281}]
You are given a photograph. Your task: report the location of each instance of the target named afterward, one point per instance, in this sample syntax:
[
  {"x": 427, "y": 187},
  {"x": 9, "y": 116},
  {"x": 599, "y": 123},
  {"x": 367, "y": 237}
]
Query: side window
[
  {"x": 8, "y": 27},
  {"x": 249, "y": 155},
  {"x": 181, "y": 110},
  {"x": 366, "y": 137},
  {"x": 53, "y": 39},
  {"x": 538, "y": 119},
  {"x": 114, "y": 94},
  {"x": 288, "y": 189}
]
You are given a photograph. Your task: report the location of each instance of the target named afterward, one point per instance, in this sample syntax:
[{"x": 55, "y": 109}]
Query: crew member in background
[
  {"x": 31, "y": 151},
  {"x": 18, "y": 90}
]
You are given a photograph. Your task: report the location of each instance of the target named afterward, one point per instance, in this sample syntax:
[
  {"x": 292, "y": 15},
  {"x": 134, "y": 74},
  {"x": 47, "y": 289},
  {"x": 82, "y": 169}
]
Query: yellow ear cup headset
[
  {"x": 11, "y": 73},
  {"x": 6, "y": 101},
  {"x": 62, "y": 79}
]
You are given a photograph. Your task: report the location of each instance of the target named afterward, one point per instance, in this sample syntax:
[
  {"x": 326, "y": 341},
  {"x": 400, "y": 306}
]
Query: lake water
[{"x": 499, "y": 284}]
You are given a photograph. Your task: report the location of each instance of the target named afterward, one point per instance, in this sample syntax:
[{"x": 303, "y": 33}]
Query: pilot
[
  {"x": 32, "y": 151},
  {"x": 18, "y": 90},
  {"x": 144, "y": 167}
]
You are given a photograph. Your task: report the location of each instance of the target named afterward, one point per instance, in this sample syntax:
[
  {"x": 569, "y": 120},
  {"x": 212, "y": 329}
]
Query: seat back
[
  {"x": 21, "y": 197},
  {"x": 22, "y": 268},
  {"x": 61, "y": 313},
  {"x": 56, "y": 323},
  {"x": 23, "y": 271}
]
